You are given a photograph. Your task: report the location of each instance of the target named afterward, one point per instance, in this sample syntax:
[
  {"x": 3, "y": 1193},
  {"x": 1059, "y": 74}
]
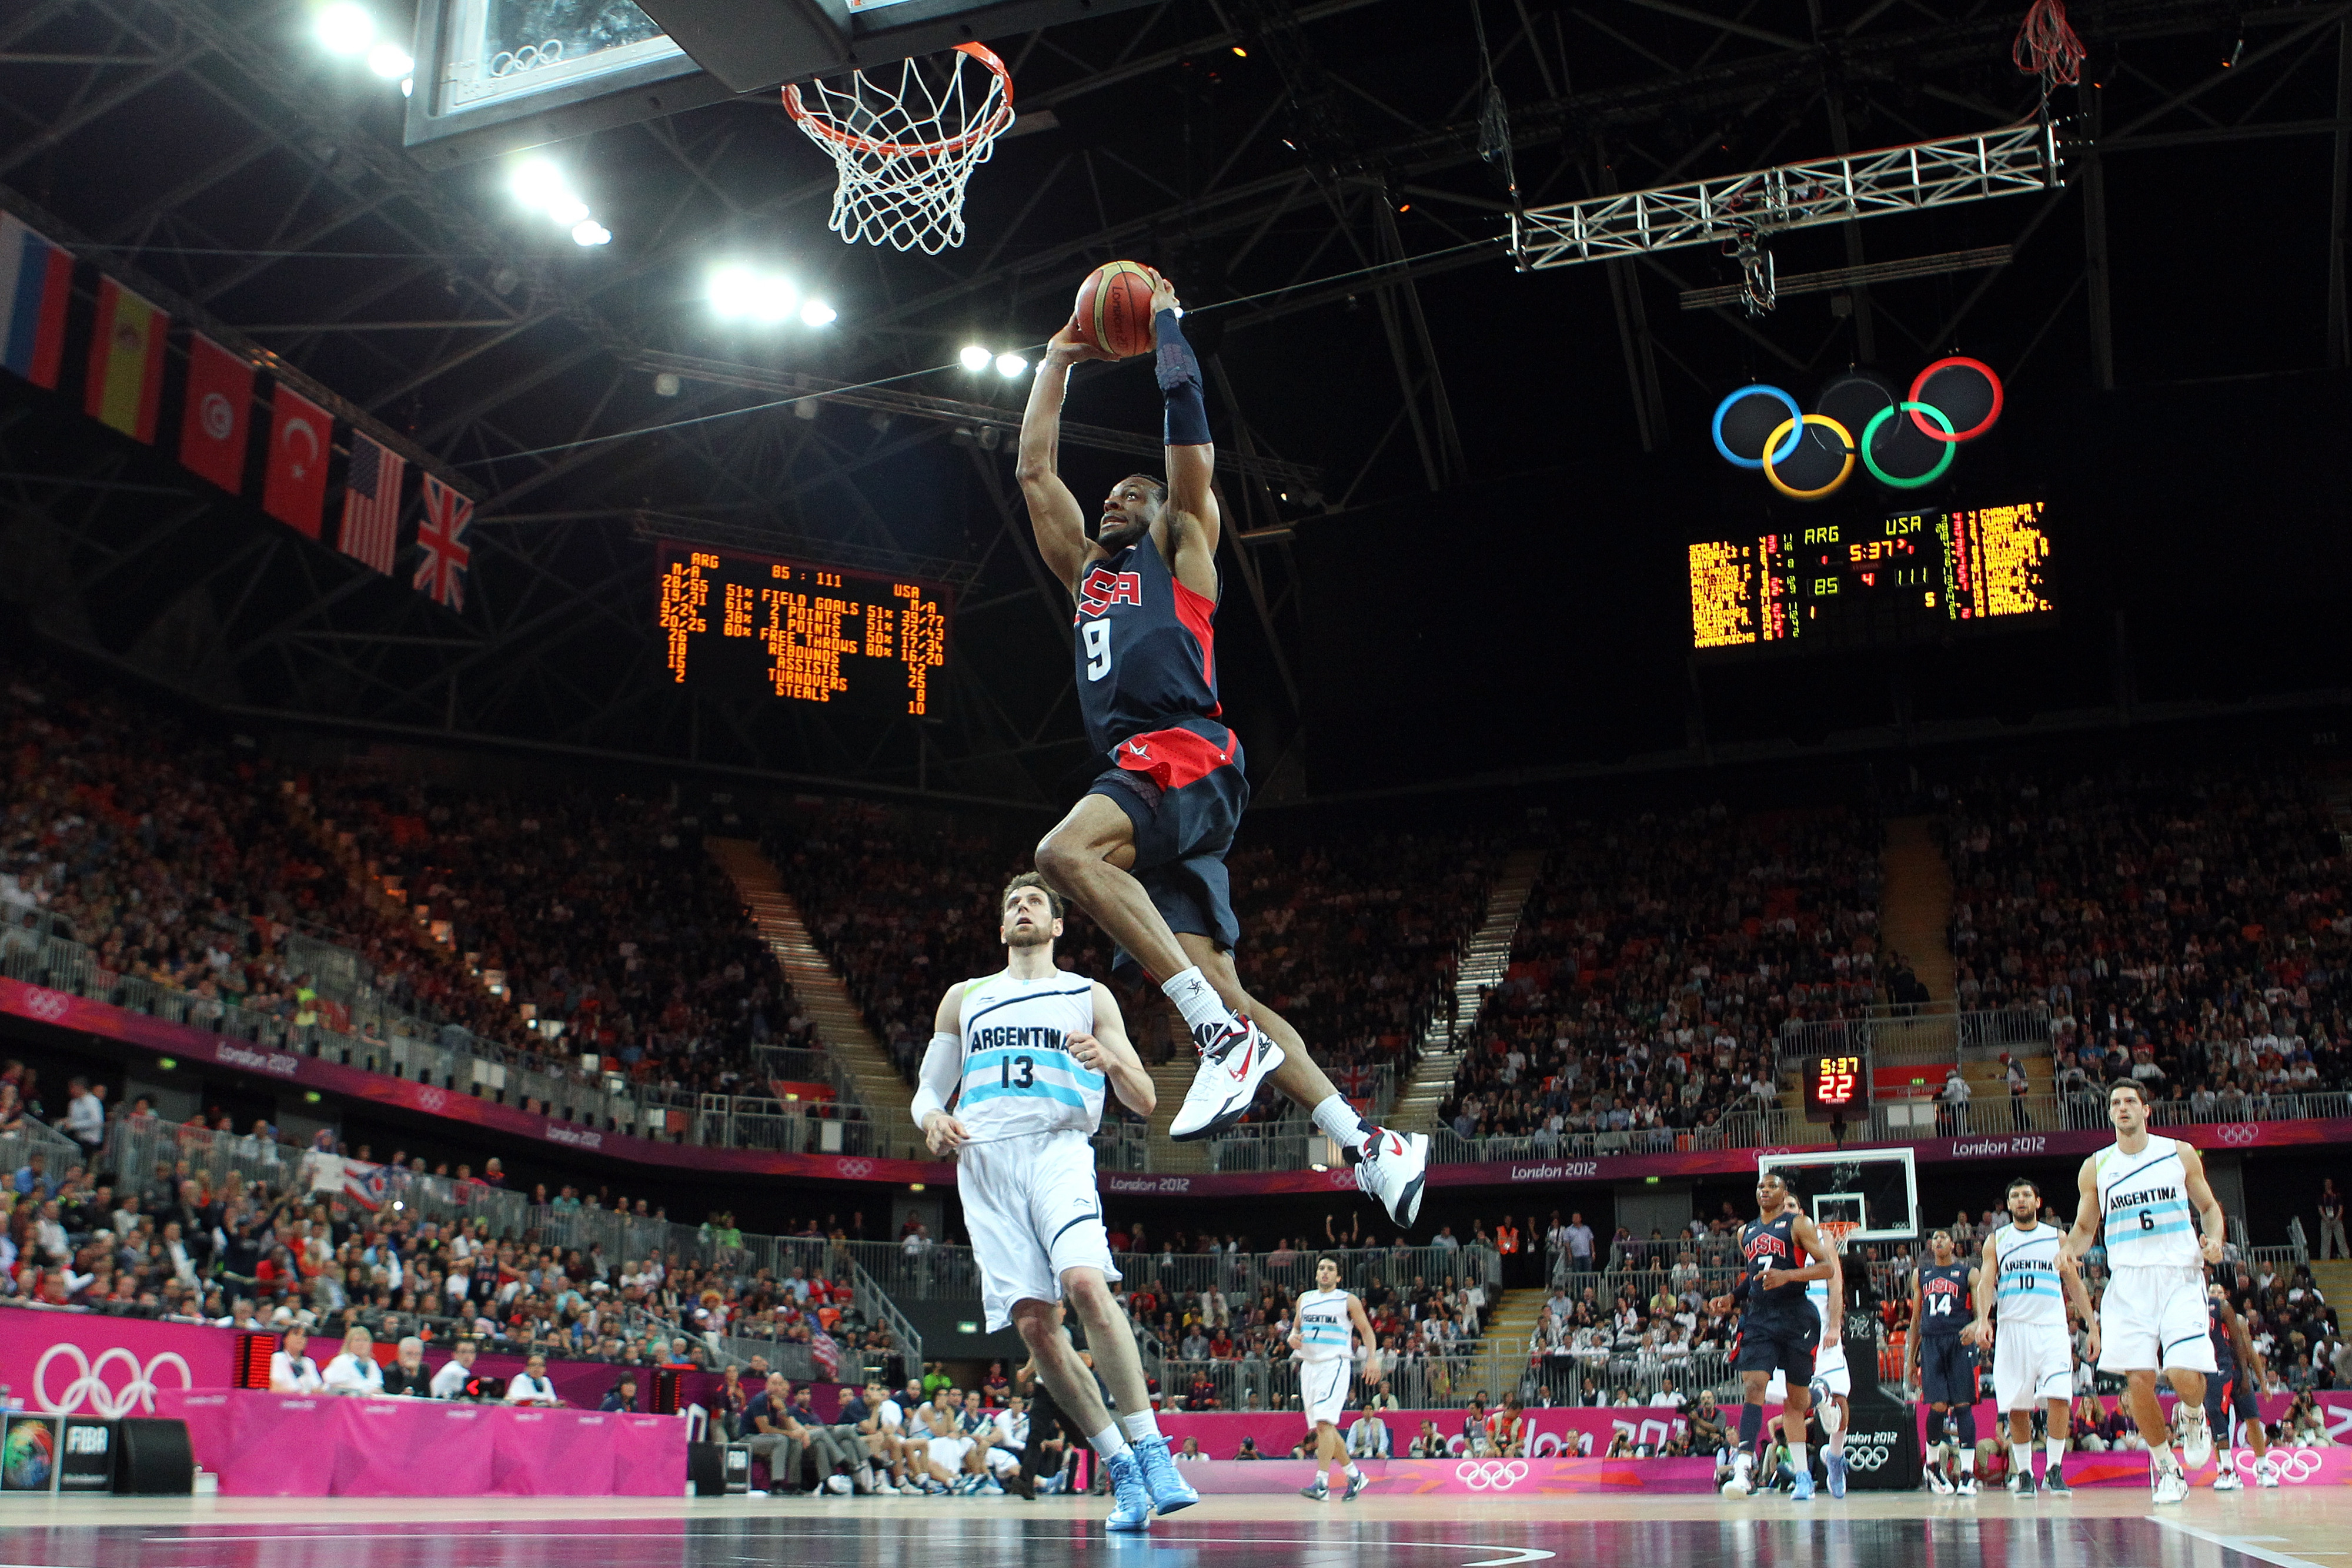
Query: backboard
[
  {"x": 1877, "y": 1190},
  {"x": 497, "y": 76}
]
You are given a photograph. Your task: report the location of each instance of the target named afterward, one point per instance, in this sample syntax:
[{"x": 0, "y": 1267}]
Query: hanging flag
[
  {"x": 294, "y": 485},
  {"x": 220, "y": 408},
  {"x": 825, "y": 1351},
  {"x": 371, "y": 503},
  {"x": 442, "y": 573},
  {"x": 36, "y": 278},
  {"x": 126, "y": 361}
]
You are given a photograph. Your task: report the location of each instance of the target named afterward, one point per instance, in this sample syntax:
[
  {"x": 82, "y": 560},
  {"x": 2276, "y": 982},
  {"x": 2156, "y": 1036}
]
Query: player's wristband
[{"x": 1179, "y": 370}]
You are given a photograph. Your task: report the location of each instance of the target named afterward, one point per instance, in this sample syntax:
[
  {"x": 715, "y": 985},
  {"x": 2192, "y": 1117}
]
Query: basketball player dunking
[
  {"x": 1024, "y": 1055},
  {"x": 1143, "y": 852},
  {"x": 1779, "y": 1330},
  {"x": 2150, "y": 1194}
]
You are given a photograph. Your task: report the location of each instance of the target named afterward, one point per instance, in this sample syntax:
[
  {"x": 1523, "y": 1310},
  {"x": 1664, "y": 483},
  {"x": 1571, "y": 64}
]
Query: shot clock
[{"x": 1837, "y": 1086}]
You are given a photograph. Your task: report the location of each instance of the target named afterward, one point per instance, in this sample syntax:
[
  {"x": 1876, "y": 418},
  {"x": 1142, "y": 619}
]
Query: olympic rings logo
[
  {"x": 2239, "y": 1132},
  {"x": 43, "y": 1003},
  {"x": 2296, "y": 1465},
  {"x": 1830, "y": 435},
  {"x": 90, "y": 1385},
  {"x": 432, "y": 1100},
  {"x": 853, "y": 1170},
  {"x": 1491, "y": 1475}
]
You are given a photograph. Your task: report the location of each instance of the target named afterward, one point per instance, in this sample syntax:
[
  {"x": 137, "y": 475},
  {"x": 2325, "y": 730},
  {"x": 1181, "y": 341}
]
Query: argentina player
[{"x": 1025, "y": 1056}]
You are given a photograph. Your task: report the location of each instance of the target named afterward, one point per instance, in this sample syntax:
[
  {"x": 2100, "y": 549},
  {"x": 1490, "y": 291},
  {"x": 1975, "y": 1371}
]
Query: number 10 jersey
[{"x": 1018, "y": 1074}]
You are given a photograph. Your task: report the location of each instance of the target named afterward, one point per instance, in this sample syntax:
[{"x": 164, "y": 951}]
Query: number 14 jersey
[{"x": 1018, "y": 1074}]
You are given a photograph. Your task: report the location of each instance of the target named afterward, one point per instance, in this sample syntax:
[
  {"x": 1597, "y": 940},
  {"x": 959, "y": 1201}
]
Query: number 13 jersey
[
  {"x": 1018, "y": 1074},
  {"x": 1146, "y": 646}
]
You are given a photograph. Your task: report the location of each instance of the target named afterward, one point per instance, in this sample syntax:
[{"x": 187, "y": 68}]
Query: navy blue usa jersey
[
  {"x": 1773, "y": 1244},
  {"x": 1945, "y": 1305},
  {"x": 1146, "y": 647}
]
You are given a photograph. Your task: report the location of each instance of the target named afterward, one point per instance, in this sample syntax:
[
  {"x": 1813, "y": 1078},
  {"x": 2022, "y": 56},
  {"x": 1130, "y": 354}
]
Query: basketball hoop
[
  {"x": 905, "y": 150},
  {"x": 1836, "y": 1232}
]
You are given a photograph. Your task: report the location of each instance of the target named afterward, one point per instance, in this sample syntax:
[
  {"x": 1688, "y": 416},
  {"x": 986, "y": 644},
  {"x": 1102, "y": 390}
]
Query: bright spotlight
[
  {"x": 591, "y": 233},
  {"x": 733, "y": 291},
  {"x": 817, "y": 313},
  {"x": 975, "y": 358},
  {"x": 346, "y": 28},
  {"x": 390, "y": 62},
  {"x": 538, "y": 183},
  {"x": 1010, "y": 365},
  {"x": 567, "y": 209},
  {"x": 775, "y": 300}
]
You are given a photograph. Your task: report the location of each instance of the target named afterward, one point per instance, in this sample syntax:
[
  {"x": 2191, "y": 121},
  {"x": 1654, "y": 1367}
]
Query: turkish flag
[
  {"x": 294, "y": 487},
  {"x": 219, "y": 412}
]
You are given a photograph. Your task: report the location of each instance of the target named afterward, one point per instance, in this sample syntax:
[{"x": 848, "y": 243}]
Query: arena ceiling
[{"x": 1312, "y": 170}]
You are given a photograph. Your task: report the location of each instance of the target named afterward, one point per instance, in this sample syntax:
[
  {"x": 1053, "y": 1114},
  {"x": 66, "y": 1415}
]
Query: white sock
[
  {"x": 1797, "y": 1457},
  {"x": 2021, "y": 1456},
  {"x": 1968, "y": 1461},
  {"x": 1143, "y": 1424},
  {"x": 2164, "y": 1459},
  {"x": 1109, "y": 1442},
  {"x": 1197, "y": 1000},
  {"x": 2057, "y": 1447},
  {"x": 1340, "y": 1122},
  {"x": 1836, "y": 1445},
  {"x": 1353, "y": 1473}
]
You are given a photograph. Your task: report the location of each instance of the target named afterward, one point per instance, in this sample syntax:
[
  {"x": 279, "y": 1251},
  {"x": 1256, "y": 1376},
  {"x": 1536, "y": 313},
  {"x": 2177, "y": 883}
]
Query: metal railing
[{"x": 1923, "y": 1035}]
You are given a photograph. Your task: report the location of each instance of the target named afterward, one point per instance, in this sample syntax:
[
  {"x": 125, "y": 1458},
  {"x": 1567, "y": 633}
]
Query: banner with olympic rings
[
  {"x": 81, "y": 1364},
  {"x": 1496, "y": 1480},
  {"x": 1905, "y": 440}
]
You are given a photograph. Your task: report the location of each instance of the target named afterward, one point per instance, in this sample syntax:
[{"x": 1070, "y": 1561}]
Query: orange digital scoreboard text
[
  {"x": 854, "y": 640},
  {"x": 1877, "y": 581},
  {"x": 1837, "y": 1085}
]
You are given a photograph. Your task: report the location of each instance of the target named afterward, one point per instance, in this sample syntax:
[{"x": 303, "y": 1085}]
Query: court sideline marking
[
  {"x": 2241, "y": 1543},
  {"x": 1514, "y": 1556}
]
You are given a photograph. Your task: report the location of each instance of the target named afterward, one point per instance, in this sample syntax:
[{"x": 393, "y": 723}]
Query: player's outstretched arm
[
  {"x": 1195, "y": 521},
  {"x": 941, "y": 1072},
  {"x": 2208, "y": 1207},
  {"x": 1108, "y": 1052},
  {"x": 2084, "y": 1232},
  {"x": 1053, "y": 514}
]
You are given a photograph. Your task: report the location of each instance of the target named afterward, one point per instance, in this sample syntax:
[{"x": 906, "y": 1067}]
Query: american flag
[
  {"x": 442, "y": 572},
  {"x": 825, "y": 1351},
  {"x": 371, "y": 504}
]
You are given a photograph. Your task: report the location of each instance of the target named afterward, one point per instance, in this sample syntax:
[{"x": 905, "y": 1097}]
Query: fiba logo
[
  {"x": 854, "y": 1169},
  {"x": 47, "y": 1005},
  {"x": 2239, "y": 1132},
  {"x": 1491, "y": 1475},
  {"x": 218, "y": 417}
]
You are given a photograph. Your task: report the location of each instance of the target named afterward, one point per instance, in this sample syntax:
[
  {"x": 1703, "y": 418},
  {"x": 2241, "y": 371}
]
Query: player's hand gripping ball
[{"x": 1114, "y": 308}]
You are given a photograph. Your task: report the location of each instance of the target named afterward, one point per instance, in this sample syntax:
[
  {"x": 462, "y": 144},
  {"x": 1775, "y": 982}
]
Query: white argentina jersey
[
  {"x": 1018, "y": 1074},
  {"x": 2026, "y": 1286},
  {"x": 1325, "y": 1330},
  {"x": 2144, "y": 1200}
]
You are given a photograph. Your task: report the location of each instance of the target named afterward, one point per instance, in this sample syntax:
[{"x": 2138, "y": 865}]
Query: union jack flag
[{"x": 442, "y": 572}]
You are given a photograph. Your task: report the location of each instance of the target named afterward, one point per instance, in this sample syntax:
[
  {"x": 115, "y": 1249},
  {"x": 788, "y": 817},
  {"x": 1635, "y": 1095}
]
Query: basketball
[{"x": 1114, "y": 308}]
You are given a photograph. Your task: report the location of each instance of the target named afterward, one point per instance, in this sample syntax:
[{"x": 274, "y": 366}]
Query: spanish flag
[{"x": 126, "y": 361}]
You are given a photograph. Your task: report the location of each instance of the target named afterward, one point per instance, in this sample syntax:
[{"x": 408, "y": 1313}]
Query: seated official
[
  {"x": 622, "y": 1400},
  {"x": 449, "y": 1383},
  {"x": 291, "y": 1370},
  {"x": 1368, "y": 1438},
  {"x": 406, "y": 1374},
  {"x": 355, "y": 1370},
  {"x": 531, "y": 1386}
]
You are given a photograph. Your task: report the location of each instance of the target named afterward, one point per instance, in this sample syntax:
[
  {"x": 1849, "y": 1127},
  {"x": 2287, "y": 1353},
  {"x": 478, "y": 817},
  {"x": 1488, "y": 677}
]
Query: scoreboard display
[
  {"x": 1837, "y": 1085},
  {"x": 1913, "y": 577},
  {"x": 744, "y": 624}
]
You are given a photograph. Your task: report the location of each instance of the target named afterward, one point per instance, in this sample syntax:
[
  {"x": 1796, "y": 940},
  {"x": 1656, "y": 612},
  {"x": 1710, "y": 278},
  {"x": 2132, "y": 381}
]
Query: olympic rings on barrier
[
  {"x": 1930, "y": 421},
  {"x": 1497, "y": 1475},
  {"x": 1943, "y": 458},
  {"x": 1948, "y": 434},
  {"x": 1756, "y": 389},
  {"x": 1845, "y": 471}
]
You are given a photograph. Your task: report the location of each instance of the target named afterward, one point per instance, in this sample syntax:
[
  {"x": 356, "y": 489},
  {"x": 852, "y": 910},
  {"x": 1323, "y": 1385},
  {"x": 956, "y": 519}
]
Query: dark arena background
[{"x": 1775, "y": 574}]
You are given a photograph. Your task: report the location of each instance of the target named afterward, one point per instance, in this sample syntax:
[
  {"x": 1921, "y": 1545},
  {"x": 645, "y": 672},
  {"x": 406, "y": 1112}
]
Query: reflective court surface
[{"x": 2104, "y": 1528}]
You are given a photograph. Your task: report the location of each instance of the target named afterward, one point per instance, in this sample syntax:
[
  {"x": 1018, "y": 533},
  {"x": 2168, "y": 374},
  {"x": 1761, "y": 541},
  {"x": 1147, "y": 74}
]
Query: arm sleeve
[
  {"x": 1178, "y": 370},
  {"x": 942, "y": 1067}
]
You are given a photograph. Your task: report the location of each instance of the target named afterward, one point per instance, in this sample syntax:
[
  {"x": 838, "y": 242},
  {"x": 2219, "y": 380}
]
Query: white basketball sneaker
[
  {"x": 2196, "y": 1439},
  {"x": 1232, "y": 1067},
  {"x": 1392, "y": 1169},
  {"x": 2171, "y": 1486}
]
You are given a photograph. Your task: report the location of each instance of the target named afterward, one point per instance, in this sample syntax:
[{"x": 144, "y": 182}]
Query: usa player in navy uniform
[
  {"x": 1778, "y": 1329},
  {"x": 1143, "y": 852},
  {"x": 1942, "y": 1364}
]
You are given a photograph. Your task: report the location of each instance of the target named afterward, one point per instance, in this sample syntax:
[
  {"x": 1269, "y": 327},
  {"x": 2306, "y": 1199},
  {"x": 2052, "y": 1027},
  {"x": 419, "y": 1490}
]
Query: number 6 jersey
[
  {"x": 2144, "y": 1199},
  {"x": 1018, "y": 1074}
]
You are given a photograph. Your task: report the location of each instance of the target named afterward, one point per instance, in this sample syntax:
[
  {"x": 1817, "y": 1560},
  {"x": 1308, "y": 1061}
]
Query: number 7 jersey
[
  {"x": 1146, "y": 647},
  {"x": 1018, "y": 1074}
]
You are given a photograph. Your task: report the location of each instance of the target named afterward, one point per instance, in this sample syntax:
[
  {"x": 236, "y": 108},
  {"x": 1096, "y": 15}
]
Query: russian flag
[{"x": 35, "y": 278}]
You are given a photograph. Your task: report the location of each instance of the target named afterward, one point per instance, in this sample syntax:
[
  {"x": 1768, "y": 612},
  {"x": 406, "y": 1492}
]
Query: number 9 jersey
[{"x": 1018, "y": 1074}]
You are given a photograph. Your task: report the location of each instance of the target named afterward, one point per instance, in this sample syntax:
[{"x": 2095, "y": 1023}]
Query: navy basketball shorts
[
  {"x": 1948, "y": 1370},
  {"x": 1183, "y": 790},
  {"x": 1784, "y": 1346},
  {"x": 2230, "y": 1389}
]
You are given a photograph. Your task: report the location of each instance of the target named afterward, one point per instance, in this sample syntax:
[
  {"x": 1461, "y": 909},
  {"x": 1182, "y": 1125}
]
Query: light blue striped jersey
[
  {"x": 2144, "y": 1202},
  {"x": 2026, "y": 1288},
  {"x": 1018, "y": 1074},
  {"x": 1326, "y": 1331}
]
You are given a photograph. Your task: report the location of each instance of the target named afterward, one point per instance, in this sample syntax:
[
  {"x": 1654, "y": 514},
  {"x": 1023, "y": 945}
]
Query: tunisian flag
[
  {"x": 219, "y": 410},
  {"x": 294, "y": 489}
]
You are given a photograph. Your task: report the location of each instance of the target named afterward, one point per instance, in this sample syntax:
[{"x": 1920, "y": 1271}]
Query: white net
[{"x": 905, "y": 143}]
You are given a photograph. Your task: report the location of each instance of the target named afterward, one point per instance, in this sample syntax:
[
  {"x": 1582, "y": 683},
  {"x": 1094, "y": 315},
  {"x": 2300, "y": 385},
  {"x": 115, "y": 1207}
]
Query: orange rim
[{"x": 818, "y": 125}]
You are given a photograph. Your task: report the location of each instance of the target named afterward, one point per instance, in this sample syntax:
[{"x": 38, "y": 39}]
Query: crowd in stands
[
  {"x": 2189, "y": 929},
  {"x": 178, "y": 859},
  {"x": 1655, "y": 963}
]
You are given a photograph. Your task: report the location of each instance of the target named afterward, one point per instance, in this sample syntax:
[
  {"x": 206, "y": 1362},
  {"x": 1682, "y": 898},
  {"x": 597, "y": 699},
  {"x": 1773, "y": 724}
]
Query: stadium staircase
[
  {"x": 839, "y": 1024},
  {"x": 2333, "y": 1277},
  {"x": 1915, "y": 904},
  {"x": 1484, "y": 961}
]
